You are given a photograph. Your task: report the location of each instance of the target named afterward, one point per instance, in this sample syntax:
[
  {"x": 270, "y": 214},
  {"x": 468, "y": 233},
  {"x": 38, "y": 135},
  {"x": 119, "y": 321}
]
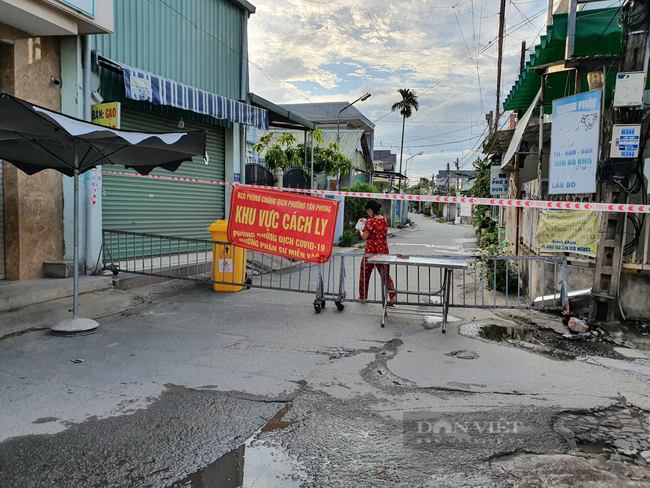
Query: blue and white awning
[{"x": 146, "y": 87}]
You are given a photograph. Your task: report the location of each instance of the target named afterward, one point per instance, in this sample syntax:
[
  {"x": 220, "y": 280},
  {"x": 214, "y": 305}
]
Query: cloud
[{"x": 313, "y": 51}]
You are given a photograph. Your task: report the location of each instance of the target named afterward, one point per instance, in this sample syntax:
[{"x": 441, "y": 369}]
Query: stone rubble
[{"x": 620, "y": 430}]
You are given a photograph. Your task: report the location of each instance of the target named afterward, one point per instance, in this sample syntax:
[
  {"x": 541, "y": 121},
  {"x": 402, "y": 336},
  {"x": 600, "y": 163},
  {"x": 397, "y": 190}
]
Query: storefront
[{"x": 175, "y": 204}]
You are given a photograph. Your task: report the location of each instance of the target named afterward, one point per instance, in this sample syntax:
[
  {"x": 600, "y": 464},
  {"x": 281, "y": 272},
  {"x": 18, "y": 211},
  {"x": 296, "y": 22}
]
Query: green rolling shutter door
[{"x": 173, "y": 208}]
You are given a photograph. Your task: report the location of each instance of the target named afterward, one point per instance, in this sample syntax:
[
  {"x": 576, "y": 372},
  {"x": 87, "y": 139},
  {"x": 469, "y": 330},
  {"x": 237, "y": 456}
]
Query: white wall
[
  {"x": 72, "y": 104},
  {"x": 232, "y": 161}
]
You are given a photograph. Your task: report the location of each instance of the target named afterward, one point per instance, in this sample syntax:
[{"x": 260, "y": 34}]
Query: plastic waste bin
[{"x": 228, "y": 261}]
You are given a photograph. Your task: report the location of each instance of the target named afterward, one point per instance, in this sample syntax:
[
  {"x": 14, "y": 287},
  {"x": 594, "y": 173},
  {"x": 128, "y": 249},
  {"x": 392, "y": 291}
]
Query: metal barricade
[{"x": 496, "y": 282}]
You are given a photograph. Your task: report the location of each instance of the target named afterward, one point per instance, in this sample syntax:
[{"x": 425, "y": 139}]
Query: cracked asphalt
[{"x": 179, "y": 376}]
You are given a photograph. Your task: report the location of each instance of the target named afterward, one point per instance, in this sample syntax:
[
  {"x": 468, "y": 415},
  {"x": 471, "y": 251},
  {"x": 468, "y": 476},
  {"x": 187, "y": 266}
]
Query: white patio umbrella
[{"x": 33, "y": 138}]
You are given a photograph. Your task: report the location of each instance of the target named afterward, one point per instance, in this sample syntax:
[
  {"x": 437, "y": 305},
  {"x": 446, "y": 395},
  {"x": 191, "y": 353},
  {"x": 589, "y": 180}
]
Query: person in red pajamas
[{"x": 374, "y": 233}]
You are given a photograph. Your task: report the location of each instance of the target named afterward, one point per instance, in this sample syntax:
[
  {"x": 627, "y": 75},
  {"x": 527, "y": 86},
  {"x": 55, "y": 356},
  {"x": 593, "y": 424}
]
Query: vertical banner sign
[
  {"x": 93, "y": 185},
  {"x": 499, "y": 181},
  {"x": 106, "y": 114},
  {"x": 573, "y": 231},
  {"x": 283, "y": 224},
  {"x": 574, "y": 144}
]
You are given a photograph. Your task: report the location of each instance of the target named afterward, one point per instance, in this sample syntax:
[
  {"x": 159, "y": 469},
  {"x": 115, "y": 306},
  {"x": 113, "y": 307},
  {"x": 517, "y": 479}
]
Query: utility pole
[
  {"x": 605, "y": 290},
  {"x": 457, "y": 189},
  {"x": 502, "y": 19},
  {"x": 448, "y": 181}
]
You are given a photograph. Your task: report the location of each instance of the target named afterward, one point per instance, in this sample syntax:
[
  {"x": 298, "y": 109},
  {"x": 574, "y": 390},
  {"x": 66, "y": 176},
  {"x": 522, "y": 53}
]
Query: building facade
[
  {"x": 41, "y": 61},
  {"x": 334, "y": 116},
  {"x": 185, "y": 54}
]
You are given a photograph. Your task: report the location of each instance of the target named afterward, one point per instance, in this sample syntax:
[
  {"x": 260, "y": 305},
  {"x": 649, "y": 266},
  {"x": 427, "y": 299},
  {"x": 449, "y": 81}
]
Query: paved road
[
  {"x": 180, "y": 377},
  {"x": 433, "y": 238}
]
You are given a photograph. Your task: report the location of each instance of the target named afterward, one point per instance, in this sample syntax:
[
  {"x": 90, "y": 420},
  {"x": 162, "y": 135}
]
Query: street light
[
  {"x": 338, "y": 124},
  {"x": 408, "y": 159}
]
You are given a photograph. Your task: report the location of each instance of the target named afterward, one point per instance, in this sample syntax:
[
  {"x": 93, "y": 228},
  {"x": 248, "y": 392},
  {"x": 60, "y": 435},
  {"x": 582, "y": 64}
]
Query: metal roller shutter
[
  {"x": 174, "y": 208},
  {"x": 2, "y": 225}
]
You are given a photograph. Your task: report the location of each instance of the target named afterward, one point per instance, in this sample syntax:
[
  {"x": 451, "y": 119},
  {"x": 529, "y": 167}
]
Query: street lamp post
[
  {"x": 407, "y": 163},
  {"x": 338, "y": 124},
  {"x": 406, "y": 167}
]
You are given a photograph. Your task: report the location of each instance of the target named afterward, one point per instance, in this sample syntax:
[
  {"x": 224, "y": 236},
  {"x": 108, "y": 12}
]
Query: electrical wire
[
  {"x": 381, "y": 39},
  {"x": 468, "y": 60}
]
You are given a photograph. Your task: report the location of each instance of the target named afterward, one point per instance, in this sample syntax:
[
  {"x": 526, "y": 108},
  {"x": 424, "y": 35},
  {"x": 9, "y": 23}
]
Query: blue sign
[{"x": 625, "y": 141}]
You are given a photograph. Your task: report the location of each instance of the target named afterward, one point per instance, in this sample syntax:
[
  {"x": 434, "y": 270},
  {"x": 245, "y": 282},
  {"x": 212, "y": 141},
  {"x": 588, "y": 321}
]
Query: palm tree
[{"x": 405, "y": 106}]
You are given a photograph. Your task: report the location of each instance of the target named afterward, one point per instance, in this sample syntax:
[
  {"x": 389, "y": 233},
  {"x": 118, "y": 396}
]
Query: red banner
[{"x": 292, "y": 226}]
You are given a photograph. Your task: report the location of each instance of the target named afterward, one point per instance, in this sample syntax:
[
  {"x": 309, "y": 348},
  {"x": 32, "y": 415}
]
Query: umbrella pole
[
  {"x": 75, "y": 325},
  {"x": 75, "y": 286}
]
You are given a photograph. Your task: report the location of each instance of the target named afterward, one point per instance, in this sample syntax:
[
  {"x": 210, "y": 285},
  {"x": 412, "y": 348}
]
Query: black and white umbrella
[{"x": 33, "y": 138}]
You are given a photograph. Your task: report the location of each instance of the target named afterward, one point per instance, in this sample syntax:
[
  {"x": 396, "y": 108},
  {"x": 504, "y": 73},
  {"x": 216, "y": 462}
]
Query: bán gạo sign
[{"x": 283, "y": 224}]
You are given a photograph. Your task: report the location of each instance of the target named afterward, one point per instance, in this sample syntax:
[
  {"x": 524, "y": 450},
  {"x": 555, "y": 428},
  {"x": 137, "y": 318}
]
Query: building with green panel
[{"x": 174, "y": 64}]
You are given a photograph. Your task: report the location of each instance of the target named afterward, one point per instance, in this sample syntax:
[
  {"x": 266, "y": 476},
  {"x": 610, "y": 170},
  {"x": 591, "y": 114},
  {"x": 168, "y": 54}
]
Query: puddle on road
[
  {"x": 254, "y": 464},
  {"x": 500, "y": 333},
  {"x": 542, "y": 341},
  {"x": 257, "y": 463}
]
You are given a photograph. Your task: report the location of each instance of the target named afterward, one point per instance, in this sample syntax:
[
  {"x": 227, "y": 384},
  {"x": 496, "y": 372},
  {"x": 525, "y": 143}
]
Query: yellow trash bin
[{"x": 228, "y": 261}]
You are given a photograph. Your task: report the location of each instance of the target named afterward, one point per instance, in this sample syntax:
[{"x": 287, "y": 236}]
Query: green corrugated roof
[{"x": 597, "y": 34}]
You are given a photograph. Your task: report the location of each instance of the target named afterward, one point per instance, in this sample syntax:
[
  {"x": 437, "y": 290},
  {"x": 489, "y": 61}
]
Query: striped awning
[{"x": 143, "y": 86}]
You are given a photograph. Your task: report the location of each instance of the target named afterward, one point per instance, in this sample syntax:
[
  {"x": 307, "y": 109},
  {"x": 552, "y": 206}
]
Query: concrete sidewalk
[{"x": 19, "y": 294}]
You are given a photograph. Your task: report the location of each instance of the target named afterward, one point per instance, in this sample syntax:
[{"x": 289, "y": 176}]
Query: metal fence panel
[{"x": 497, "y": 282}]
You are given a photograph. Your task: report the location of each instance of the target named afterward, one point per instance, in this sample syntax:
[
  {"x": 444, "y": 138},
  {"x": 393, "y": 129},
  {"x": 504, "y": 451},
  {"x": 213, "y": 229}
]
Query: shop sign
[
  {"x": 572, "y": 231},
  {"x": 106, "y": 114},
  {"x": 574, "y": 144},
  {"x": 499, "y": 181},
  {"x": 283, "y": 224}
]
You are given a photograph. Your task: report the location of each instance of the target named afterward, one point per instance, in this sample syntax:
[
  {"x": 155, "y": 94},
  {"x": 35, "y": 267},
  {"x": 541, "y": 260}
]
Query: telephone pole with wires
[
  {"x": 502, "y": 21},
  {"x": 619, "y": 178}
]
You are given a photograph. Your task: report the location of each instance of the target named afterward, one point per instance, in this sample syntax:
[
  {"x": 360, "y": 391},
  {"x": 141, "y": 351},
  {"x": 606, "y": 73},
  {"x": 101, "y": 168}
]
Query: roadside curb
[{"x": 24, "y": 293}]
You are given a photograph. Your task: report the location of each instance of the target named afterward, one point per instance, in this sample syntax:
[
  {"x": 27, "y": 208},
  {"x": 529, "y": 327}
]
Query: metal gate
[
  {"x": 178, "y": 208},
  {"x": 256, "y": 174},
  {"x": 295, "y": 178},
  {"x": 488, "y": 282}
]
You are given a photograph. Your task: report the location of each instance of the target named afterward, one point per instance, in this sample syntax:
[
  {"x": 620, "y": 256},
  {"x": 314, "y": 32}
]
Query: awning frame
[
  {"x": 280, "y": 117},
  {"x": 165, "y": 92}
]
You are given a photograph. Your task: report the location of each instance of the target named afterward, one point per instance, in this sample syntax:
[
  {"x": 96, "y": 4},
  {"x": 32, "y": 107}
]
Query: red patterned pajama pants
[{"x": 364, "y": 278}]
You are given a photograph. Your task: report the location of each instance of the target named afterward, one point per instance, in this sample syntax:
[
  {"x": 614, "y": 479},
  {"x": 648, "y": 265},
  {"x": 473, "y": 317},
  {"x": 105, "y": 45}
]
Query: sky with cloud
[{"x": 445, "y": 50}]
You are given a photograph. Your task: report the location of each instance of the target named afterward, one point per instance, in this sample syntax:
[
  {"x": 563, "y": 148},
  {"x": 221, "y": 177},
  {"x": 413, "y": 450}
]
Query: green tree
[
  {"x": 382, "y": 186},
  {"x": 422, "y": 188},
  {"x": 355, "y": 208},
  {"x": 486, "y": 228},
  {"x": 481, "y": 186},
  {"x": 440, "y": 190},
  {"x": 283, "y": 152},
  {"x": 406, "y": 105}
]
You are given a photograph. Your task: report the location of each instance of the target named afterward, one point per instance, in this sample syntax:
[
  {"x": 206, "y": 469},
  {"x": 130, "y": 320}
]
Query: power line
[
  {"x": 432, "y": 145},
  {"x": 269, "y": 76},
  {"x": 359, "y": 55},
  {"x": 464, "y": 63},
  {"x": 382, "y": 39},
  {"x": 278, "y": 12}
]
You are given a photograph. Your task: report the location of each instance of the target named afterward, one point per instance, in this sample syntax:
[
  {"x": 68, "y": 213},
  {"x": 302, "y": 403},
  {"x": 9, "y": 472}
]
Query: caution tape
[{"x": 499, "y": 202}]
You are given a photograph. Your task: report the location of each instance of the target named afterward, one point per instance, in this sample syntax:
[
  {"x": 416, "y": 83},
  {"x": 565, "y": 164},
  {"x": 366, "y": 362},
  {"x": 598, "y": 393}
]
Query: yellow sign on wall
[
  {"x": 107, "y": 114},
  {"x": 574, "y": 231}
]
